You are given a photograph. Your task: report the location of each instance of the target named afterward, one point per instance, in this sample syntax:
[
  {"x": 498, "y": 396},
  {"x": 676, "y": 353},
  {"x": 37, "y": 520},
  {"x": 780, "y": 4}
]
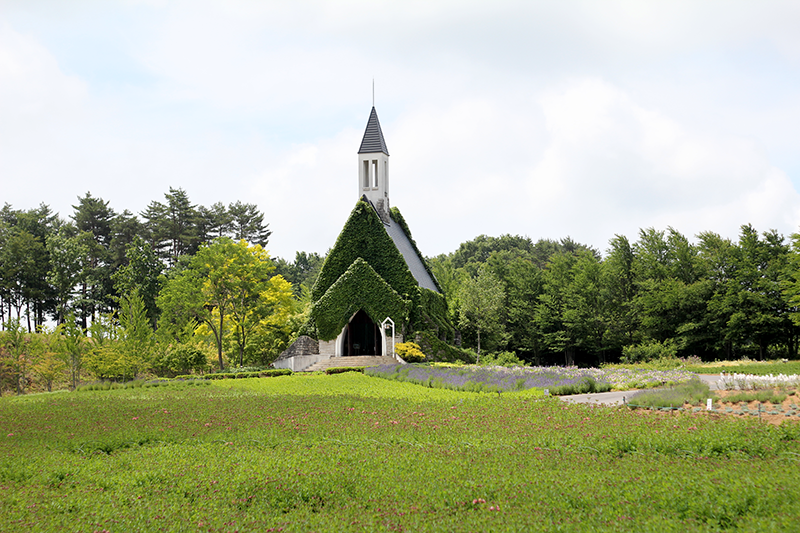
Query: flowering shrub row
[
  {"x": 557, "y": 380},
  {"x": 753, "y": 382}
]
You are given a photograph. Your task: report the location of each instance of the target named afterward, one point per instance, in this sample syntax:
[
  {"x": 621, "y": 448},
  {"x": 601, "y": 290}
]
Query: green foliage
[
  {"x": 649, "y": 351},
  {"x": 172, "y": 225},
  {"x": 439, "y": 350},
  {"x": 692, "y": 392},
  {"x": 177, "y": 358},
  {"x": 141, "y": 274},
  {"x": 279, "y": 318},
  {"x": 66, "y": 251},
  {"x": 569, "y": 314},
  {"x": 501, "y": 359},
  {"x": 343, "y": 369},
  {"x": 360, "y": 287},
  {"x": 586, "y": 386},
  {"x": 227, "y": 285},
  {"x": 73, "y": 346},
  {"x": 275, "y": 372},
  {"x": 365, "y": 237},
  {"x": 480, "y": 303},
  {"x": 759, "y": 368},
  {"x": 410, "y": 352},
  {"x": 774, "y": 397},
  {"x": 136, "y": 333},
  {"x": 302, "y": 273},
  {"x": 271, "y": 373},
  {"x": 434, "y": 313}
]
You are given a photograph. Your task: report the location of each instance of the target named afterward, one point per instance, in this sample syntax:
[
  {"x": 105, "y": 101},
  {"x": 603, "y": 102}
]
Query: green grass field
[
  {"x": 352, "y": 453},
  {"x": 759, "y": 368}
]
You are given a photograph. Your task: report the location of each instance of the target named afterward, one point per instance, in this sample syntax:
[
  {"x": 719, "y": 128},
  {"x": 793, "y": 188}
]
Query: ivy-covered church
[{"x": 374, "y": 271}]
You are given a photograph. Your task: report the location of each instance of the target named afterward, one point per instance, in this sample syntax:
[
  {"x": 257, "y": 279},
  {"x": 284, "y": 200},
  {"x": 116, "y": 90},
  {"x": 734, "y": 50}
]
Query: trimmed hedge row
[
  {"x": 343, "y": 369},
  {"x": 239, "y": 375}
]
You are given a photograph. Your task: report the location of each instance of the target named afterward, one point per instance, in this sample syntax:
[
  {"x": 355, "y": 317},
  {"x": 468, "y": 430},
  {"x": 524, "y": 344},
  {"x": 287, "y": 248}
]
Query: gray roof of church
[
  {"x": 373, "y": 141},
  {"x": 413, "y": 260}
]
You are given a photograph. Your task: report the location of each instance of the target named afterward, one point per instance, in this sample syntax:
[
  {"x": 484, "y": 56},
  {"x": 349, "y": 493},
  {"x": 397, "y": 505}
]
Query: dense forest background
[{"x": 179, "y": 284}]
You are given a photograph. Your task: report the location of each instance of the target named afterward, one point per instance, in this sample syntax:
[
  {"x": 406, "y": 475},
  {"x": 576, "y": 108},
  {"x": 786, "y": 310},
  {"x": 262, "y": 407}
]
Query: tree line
[
  {"x": 167, "y": 292},
  {"x": 181, "y": 287},
  {"x": 51, "y": 267},
  {"x": 660, "y": 296}
]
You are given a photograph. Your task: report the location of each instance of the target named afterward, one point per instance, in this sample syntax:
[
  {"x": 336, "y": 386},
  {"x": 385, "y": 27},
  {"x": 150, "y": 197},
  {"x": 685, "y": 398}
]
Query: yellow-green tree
[
  {"x": 222, "y": 289},
  {"x": 73, "y": 346},
  {"x": 278, "y": 317},
  {"x": 48, "y": 365},
  {"x": 18, "y": 346}
]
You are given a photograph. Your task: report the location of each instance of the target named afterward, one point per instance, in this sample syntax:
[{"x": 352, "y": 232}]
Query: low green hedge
[
  {"x": 239, "y": 375},
  {"x": 275, "y": 373},
  {"x": 343, "y": 369}
]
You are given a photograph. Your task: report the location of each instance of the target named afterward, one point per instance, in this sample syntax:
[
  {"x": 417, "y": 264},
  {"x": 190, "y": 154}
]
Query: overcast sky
[{"x": 545, "y": 119}]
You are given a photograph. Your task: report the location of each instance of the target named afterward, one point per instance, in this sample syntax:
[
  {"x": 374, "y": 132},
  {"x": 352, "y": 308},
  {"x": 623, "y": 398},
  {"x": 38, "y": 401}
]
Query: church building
[{"x": 374, "y": 282}]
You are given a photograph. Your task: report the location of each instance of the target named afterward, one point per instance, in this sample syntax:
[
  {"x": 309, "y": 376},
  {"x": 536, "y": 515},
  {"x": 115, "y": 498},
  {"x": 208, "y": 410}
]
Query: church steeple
[
  {"x": 373, "y": 141},
  {"x": 373, "y": 167}
]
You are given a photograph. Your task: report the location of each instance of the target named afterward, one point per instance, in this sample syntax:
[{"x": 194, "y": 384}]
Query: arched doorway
[{"x": 362, "y": 336}]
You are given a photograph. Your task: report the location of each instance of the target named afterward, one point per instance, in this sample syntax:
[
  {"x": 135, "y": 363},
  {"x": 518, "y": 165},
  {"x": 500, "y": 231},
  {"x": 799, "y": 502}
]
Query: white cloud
[
  {"x": 36, "y": 98},
  {"x": 540, "y": 118},
  {"x": 612, "y": 166},
  {"x": 307, "y": 193}
]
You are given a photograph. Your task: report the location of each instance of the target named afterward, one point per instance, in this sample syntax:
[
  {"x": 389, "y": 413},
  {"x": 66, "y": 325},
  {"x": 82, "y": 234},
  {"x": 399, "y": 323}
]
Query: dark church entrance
[{"x": 362, "y": 336}]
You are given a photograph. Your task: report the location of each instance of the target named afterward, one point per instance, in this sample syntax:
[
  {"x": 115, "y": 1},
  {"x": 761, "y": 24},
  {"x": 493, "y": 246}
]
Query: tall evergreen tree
[
  {"x": 247, "y": 222},
  {"x": 93, "y": 218},
  {"x": 125, "y": 227},
  {"x": 172, "y": 226}
]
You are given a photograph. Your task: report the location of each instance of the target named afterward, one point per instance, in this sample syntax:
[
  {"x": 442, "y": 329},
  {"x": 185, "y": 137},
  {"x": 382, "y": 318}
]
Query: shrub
[
  {"x": 585, "y": 386},
  {"x": 500, "y": 359},
  {"x": 438, "y": 350},
  {"x": 693, "y": 392},
  {"x": 343, "y": 369},
  {"x": 182, "y": 358},
  {"x": 763, "y": 396},
  {"x": 649, "y": 351},
  {"x": 410, "y": 352},
  {"x": 275, "y": 372}
]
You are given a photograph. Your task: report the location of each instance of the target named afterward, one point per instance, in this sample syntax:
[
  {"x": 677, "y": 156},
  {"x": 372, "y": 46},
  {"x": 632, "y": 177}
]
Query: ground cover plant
[
  {"x": 693, "y": 392},
  {"x": 556, "y": 380},
  {"x": 755, "y": 382},
  {"x": 747, "y": 366},
  {"x": 352, "y": 453}
]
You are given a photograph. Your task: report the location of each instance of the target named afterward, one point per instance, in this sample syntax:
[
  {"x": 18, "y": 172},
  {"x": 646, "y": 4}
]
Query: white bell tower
[{"x": 373, "y": 167}]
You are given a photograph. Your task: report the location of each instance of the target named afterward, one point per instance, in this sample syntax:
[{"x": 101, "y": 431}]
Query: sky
[{"x": 544, "y": 119}]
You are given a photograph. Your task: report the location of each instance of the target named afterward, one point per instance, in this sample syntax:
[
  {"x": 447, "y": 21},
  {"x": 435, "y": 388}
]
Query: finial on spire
[{"x": 373, "y": 92}]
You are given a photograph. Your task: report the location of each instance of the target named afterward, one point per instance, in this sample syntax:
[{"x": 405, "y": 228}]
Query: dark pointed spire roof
[{"x": 373, "y": 141}]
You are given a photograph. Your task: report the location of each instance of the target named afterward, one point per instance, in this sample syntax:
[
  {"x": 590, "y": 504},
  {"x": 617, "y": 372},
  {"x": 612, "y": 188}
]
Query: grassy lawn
[
  {"x": 759, "y": 368},
  {"x": 352, "y": 453}
]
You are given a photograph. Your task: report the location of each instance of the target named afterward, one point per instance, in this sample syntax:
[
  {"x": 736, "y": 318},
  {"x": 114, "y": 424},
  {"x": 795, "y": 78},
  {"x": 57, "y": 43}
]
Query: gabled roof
[
  {"x": 373, "y": 141},
  {"x": 409, "y": 253}
]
